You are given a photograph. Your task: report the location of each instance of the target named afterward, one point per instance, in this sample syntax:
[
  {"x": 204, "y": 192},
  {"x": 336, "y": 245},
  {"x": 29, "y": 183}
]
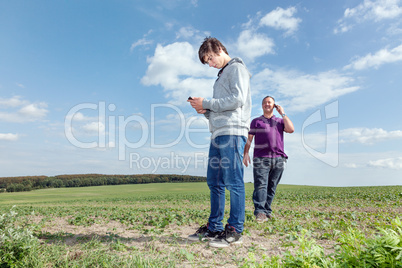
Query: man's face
[
  {"x": 268, "y": 104},
  {"x": 215, "y": 60}
]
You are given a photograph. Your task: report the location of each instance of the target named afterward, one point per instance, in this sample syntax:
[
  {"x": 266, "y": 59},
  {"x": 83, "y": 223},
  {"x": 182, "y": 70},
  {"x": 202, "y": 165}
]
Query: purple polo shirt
[{"x": 268, "y": 137}]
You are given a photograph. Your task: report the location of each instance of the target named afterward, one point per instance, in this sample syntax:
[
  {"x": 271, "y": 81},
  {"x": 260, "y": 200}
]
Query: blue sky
[{"x": 101, "y": 86}]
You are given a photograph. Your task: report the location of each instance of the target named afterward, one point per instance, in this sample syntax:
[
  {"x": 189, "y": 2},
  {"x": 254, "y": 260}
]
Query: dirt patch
[{"x": 172, "y": 240}]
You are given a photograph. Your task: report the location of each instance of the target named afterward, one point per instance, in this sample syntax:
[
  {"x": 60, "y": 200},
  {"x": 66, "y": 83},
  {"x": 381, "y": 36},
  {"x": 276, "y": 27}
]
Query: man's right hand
[
  {"x": 246, "y": 159},
  {"x": 196, "y": 103}
]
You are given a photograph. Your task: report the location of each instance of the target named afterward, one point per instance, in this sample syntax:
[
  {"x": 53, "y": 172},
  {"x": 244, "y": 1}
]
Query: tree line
[{"x": 29, "y": 183}]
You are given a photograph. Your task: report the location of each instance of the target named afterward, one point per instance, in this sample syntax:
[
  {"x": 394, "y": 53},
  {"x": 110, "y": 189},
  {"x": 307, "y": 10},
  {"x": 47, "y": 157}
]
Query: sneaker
[
  {"x": 203, "y": 234},
  {"x": 226, "y": 237},
  {"x": 261, "y": 217}
]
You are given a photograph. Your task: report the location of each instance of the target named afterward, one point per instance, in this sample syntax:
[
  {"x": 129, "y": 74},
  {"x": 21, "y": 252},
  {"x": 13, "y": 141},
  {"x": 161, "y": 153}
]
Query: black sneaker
[
  {"x": 203, "y": 234},
  {"x": 227, "y": 237}
]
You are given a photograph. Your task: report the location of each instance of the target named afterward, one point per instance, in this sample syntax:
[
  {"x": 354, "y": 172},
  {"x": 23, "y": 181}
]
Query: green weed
[
  {"x": 312, "y": 227},
  {"x": 15, "y": 241}
]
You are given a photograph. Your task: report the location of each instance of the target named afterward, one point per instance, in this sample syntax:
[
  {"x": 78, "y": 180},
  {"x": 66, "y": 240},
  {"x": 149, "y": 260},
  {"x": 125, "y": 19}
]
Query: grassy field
[{"x": 146, "y": 225}]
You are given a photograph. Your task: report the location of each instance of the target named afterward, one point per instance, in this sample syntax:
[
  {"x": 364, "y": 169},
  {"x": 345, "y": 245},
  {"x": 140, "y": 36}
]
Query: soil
[{"x": 172, "y": 241}]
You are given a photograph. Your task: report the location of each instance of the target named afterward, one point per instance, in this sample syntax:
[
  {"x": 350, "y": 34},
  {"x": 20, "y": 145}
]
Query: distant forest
[{"x": 29, "y": 183}]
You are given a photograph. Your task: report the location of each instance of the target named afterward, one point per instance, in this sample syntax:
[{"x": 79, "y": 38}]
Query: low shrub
[
  {"x": 15, "y": 241},
  {"x": 354, "y": 250}
]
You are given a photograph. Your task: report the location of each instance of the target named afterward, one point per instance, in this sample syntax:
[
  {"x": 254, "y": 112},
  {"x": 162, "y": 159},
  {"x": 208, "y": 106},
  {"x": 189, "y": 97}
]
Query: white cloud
[
  {"x": 9, "y": 136},
  {"x": 381, "y": 57},
  {"x": 27, "y": 111},
  {"x": 252, "y": 45},
  {"x": 33, "y": 111},
  {"x": 300, "y": 92},
  {"x": 388, "y": 163},
  {"x": 87, "y": 133},
  {"x": 12, "y": 102},
  {"x": 369, "y": 11},
  {"x": 194, "y": 2},
  {"x": 190, "y": 33},
  {"x": 351, "y": 165},
  {"x": 20, "y": 85},
  {"x": 368, "y": 136},
  {"x": 186, "y": 32},
  {"x": 94, "y": 127},
  {"x": 80, "y": 117},
  {"x": 142, "y": 42},
  {"x": 375, "y": 10},
  {"x": 177, "y": 69},
  {"x": 342, "y": 27},
  {"x": 395, "y": 29},
  {"x": 282, "y": 19}
]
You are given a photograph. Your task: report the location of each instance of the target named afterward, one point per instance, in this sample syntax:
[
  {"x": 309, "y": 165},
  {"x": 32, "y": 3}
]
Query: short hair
[
  {"x": 267, "y": 97},
  {"x": 210, "y": 44}
]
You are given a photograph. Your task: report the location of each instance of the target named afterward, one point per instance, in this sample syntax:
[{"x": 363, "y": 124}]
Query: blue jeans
[
  {"x": 225, "y": 170},
  {"x": 267, "y": 174}
]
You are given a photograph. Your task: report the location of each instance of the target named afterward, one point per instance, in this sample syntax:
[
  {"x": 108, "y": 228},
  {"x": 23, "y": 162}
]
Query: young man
[
  {"x": 228, "y": 113},
  {"x": 269, "y": 156}
]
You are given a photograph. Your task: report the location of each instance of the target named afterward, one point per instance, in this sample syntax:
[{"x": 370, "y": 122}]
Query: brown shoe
[{"x": 261, "y": 217}]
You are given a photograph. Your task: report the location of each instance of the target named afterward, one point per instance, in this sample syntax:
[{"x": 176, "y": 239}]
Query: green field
[{"x": 146, "y": 225}]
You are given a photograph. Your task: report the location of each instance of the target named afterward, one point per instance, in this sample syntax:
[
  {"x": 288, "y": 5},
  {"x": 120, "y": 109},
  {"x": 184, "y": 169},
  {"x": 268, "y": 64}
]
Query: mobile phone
[
  {"x": 276, "y": 106},
  {"x": 190, "y": 98}
]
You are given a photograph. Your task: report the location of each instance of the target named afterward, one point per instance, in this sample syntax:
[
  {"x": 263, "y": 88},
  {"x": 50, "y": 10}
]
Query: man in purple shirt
[{"x": 269, "y": 156}]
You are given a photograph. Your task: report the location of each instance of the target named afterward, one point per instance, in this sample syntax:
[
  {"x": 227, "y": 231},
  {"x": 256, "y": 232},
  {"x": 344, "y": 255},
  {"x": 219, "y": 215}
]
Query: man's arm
[
  {"x": 246, "y": 156},
  {"x": 289, "y": 128},
  {"x": 196, "y": 103},
  {"x": 238, "y": 87}
]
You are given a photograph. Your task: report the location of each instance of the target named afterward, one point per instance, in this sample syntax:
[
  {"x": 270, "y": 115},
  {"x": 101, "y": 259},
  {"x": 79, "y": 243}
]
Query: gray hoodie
[{"x": 229, "y": 110}]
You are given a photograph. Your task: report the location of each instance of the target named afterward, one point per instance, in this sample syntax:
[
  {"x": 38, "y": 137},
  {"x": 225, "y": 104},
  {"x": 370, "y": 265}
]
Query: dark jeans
[{"x": 267, "y": 174}]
